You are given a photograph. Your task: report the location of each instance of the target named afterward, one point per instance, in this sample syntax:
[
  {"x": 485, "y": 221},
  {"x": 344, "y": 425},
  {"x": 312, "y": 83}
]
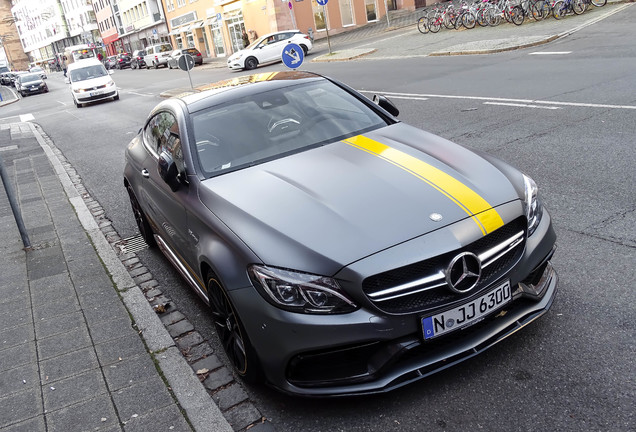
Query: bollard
[{"x": 14, "y": 205}]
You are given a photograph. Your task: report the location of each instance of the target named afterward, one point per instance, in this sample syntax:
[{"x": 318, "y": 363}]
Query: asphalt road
[{"x": 566, "y": 119}]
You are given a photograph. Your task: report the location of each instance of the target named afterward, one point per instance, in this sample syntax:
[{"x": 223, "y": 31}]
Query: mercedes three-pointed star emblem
[{"x": 463, "y": 273}]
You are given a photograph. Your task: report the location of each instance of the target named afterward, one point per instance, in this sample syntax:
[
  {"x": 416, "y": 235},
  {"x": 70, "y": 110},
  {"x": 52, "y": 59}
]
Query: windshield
[
  {"x": 29, "y": 78},
  {"x": 269, "y": 125},
  {"x": 88, "y": 72}
]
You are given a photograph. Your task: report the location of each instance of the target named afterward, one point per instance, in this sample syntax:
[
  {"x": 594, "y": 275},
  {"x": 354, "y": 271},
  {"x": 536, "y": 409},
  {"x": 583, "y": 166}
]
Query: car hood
[{"x": 327, "y": 207}]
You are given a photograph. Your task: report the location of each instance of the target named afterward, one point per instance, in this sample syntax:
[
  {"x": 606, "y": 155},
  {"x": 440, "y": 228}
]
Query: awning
[
  {"x": 176, "y": 31},
  {"x": 198, "y": 24},
  {"x": 186, "y": 28}
]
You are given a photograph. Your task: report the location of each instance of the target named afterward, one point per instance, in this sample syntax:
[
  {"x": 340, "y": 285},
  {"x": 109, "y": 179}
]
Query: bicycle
[{"x": 562, "y": 7}]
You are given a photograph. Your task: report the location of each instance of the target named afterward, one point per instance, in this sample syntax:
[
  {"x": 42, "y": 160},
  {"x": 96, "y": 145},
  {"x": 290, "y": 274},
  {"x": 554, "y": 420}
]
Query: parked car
[
  {"x": 123, "y": 61},
  {"x": 30, "y": 83},
  {"x": 5, "y": 78},
  {"x": 268, "y": 49},
  {"x": 341, "y": 251},
  {"x": 90, "y": 82},
  {"x": 39, "y": 70},
  {"x": 15, "y": 75},
  {"x": 173, "y": 60},
  {"x": 157, "y": 55},
  {"x": 137, "y": 59},
  {"x": 110, "y": 62}
]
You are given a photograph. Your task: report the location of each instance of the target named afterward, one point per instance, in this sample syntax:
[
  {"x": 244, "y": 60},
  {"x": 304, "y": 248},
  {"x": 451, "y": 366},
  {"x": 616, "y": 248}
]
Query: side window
[{"x": 162, "y": 134}]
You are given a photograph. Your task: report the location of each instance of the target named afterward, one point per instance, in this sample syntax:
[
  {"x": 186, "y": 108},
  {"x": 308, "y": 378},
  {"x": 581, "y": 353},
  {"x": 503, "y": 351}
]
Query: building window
[
  {"x": 371, "y": 13},
  {"x": 319, "y": 15},
  {"x": 346, "y": 12}
]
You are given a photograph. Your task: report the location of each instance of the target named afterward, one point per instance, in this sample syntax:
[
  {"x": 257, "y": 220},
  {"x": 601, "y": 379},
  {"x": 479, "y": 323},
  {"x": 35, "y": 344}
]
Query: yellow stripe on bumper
[{"x": 470, "y": 201}]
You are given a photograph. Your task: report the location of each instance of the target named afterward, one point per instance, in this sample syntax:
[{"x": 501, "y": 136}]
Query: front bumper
[
  {"x": 368, "y": 351},
  {"x": 86, "y": 96},
  {"x": 234, "y": 65}
]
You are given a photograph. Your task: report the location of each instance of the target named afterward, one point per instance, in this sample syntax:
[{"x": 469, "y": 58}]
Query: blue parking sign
[
  {"x": 321, "y": 2},
  {"x": 293, "y": 55}
]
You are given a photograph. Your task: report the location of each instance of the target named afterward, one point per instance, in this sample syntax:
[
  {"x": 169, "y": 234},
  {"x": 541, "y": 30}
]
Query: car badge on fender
[{"x": 463, "y": 273}]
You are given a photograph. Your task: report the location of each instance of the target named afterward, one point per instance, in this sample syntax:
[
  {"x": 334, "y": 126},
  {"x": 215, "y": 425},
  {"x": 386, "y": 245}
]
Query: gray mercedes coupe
[{"x": 340, "y": 251}]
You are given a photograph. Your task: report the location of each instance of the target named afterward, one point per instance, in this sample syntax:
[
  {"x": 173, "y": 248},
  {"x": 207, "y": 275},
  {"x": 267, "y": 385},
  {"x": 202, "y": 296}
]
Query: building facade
[
  {"x": 215, "y": 27},
  {"x": 142, "y": 23},
  {"x": 11, "y": 52},
  {"x": 107, "y": 26}
]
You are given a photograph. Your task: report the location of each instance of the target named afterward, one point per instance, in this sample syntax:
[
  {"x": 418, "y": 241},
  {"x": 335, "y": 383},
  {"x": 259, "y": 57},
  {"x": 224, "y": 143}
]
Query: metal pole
[
  {"x": 14, "y": 205},
  {"x": 324, "y": 11}
]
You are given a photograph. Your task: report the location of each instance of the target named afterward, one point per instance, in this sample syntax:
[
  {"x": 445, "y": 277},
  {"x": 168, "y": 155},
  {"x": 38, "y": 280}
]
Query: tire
[
  {"x": 232, "y": 333},
  {"x": 579, "y": 6},
  {"x": 116, "y": 98},
  {"x": 303, "y": 47},
  {"x": 468, "y": 20},
  {"x": 537, "y": 11},
  {"x": 449, "y": 21},
  {"x": 434, "y": 24},
  {"x": 494, "y": 17},
  {"x": 77, "y": 104},
  {"x": 516, "y": 15},
  {"x": 422, "y": 25},
  {"x": 559, "y": 10},
  {"x": 599, "y": 3},
  {"x": 482, "y": 18},
  {"x": 140, "y": 218},
  {"x": 251, "y": 63}
]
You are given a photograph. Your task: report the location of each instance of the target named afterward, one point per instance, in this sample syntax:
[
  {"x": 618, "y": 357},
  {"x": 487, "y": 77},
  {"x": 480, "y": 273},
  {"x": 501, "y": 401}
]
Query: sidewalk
[{"x": 81, "y": 348}]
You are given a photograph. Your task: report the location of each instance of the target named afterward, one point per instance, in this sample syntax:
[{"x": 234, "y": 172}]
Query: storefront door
[
  {"x": 217, "y": 39},
  {"x": 235, "y": 27}
]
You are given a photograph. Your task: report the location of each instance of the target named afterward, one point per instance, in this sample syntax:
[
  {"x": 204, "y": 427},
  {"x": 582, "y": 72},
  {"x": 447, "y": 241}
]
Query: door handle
[{"x": 145, "y": 173}]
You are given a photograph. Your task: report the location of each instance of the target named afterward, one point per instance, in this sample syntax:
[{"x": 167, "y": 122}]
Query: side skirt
[{"x": 176, "y": 262}]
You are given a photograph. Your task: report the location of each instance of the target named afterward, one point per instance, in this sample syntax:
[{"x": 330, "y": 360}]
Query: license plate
[
  {"x": 466, "y": 314},
  {"x": 95, "y": 93}
]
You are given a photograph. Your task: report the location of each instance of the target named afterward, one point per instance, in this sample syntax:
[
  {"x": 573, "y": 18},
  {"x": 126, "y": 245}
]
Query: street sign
[
  {"x": 321, "y": 2},
  {"x": 185, "y": 62},
  {"x": 293, "y": 56}
]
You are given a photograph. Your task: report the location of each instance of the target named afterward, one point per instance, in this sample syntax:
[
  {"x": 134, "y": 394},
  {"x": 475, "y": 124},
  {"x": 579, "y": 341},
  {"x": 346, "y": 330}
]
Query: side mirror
[
  {"x": 168, "y": 171},
  {"x": 384, "y": 102}
]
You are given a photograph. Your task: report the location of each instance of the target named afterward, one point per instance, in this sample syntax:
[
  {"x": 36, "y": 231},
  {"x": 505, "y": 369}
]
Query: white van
[
  {"x": 90, "y": 82},
  {"x": 157, "y": 55}
]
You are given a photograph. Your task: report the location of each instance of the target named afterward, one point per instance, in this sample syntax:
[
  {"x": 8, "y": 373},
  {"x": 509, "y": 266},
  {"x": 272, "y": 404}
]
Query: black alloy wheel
[
  {"x": 140, "y": 218},
  {"x": 251, "y": 63},
  {"x": 232, "y": 333}
]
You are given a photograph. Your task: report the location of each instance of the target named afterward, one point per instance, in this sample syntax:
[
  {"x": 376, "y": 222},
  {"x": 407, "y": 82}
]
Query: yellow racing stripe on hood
[{"x": 467, "y": 199}]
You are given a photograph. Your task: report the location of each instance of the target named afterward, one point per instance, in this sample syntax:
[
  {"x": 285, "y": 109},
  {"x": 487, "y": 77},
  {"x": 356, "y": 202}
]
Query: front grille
[{"x": 421, "y": 286}]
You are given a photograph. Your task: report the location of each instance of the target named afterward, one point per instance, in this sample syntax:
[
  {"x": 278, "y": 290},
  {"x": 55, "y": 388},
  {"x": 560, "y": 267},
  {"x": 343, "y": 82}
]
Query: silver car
[{"x": 340, "y": 251}]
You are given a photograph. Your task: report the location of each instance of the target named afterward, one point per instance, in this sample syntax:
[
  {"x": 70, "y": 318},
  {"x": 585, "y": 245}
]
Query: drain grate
[{"x": 132, "y": 244}]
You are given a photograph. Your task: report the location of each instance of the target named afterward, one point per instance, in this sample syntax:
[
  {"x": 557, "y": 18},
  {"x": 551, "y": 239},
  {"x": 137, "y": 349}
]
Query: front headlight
[
  {"x": 301, "y": 292},
  {"x": 533, "y": 204}
]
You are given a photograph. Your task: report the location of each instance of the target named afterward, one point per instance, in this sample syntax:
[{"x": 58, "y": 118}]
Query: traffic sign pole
[{"x": 324, "y": 11}]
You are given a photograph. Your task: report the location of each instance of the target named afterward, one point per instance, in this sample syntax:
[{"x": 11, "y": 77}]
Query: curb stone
[{"x": 177, "y": 340}]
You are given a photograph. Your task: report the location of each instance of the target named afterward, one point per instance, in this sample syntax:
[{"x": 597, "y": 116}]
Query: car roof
[{"x": 83, "y": 63}]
